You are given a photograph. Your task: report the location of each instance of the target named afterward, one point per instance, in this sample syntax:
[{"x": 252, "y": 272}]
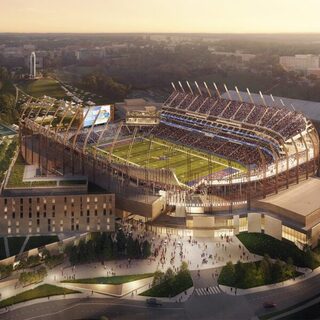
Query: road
[
  {"x": 93, "y": 308},
  {"x": 212, "y": 306}
]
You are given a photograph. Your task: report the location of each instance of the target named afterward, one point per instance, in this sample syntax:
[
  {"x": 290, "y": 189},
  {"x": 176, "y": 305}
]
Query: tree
[
  {"x": 157, "y": 277},
  {"x": 108, "y": 252},
  {"x": 266, "y": 268},
  {"x": 130, "y": 247},
  {"x": 169, "y": 274},
  {"x": 121, "y": 241},
  {"x": 277, "y": 271},
  {"x": 137, "y": 249},
  {"x": 239, "y": 272},
  {"x": 146, "y": 249}
]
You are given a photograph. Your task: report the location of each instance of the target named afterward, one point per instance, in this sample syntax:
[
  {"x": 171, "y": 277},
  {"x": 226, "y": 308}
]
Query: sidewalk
[{"x": 181, "y": 297}]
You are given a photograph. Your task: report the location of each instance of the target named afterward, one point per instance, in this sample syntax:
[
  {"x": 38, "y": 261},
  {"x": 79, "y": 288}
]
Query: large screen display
[{"x": 105, "y": 113}]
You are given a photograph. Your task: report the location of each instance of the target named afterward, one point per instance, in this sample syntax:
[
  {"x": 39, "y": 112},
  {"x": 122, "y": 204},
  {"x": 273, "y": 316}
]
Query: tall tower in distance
[{"x": 33, "y": 63}]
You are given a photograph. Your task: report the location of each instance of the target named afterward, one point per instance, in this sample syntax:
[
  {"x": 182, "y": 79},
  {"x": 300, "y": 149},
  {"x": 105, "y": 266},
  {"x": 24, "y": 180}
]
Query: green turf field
[
  {"x": 187, "y": 164},
  {"x": 40, "y": 87}
]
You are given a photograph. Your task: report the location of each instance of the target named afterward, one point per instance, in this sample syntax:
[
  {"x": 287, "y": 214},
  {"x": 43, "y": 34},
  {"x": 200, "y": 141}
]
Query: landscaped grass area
[
  {"x": 2, "y": 249},
  {"x": 15, "y": 244},
  {"x": 40, "y": 241},
  {"x": 40, "y": 87},
  {"x": 262, "y": 244},
  {"x": 16, "y": 177},
  {"x": 170, "y": 288},
  {"x": 112, "y": 280},
  {"x": 188, "y": 164},
  {"x": 45, "y": 290}
]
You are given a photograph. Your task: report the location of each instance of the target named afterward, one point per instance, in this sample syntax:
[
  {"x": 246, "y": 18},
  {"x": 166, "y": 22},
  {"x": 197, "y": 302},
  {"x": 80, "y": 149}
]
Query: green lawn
[
  {"x": 40, "y": 87},
  {"x": 16, "y": 177},
  {"x": 170, "y": 288},
  {"x": 40, "y": 241},
  {"x": 15, "y": 244},
  {"x": 2, "y": 249},
  {"x": 112, "y": 280},
  {"x": 162, "y": 154},
  {"x": 261, "y": 244},
  {"x": 41, "y": 291}
]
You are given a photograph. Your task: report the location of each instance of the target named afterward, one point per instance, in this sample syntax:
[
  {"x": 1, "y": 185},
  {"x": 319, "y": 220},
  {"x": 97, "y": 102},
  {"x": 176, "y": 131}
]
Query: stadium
[{"x": 203, "y": 156}]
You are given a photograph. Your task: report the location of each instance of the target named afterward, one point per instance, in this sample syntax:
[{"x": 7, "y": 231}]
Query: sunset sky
[{"x": 210, "y": 16}]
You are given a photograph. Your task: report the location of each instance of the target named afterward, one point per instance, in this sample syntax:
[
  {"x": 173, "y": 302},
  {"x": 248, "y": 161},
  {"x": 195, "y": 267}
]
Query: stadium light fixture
[{"x": 173, "y": 86}]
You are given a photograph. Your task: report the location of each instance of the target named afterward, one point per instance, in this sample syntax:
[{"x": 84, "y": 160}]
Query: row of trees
[
  {"x": 248, "y": 275},
  {"x": 103, "y": 246},
  {"x": 170, "y": 283},
  {"x": 8, "y": 109},
  {"x": 104, "y": 85}
]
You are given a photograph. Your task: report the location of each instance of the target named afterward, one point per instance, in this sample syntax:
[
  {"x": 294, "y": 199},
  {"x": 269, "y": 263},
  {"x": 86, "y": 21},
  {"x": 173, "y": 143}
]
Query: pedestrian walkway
[{"x": 207, "y": 291}]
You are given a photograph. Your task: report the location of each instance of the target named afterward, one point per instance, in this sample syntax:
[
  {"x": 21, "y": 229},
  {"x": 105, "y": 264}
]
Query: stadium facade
[{"x": 209, "y": 165}]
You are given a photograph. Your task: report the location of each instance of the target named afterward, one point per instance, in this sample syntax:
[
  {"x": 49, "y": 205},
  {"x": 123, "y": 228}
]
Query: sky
[{"x": 186, "y": 16}]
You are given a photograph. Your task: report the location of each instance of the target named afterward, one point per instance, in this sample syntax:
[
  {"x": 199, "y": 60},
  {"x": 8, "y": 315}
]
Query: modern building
[
  {"x": 46, "y": 213},
  {"x": 33, "y": 65}
]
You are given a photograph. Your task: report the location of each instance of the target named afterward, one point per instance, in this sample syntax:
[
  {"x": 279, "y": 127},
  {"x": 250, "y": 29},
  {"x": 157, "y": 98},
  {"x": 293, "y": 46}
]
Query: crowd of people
[
  {"x": 282, "y": 120},
  {"x": 239, "y": 152}
]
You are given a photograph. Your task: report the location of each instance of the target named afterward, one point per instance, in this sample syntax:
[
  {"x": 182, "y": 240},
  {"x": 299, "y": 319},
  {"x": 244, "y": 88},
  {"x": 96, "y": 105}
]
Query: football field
[{"x": 188, "y": 164}]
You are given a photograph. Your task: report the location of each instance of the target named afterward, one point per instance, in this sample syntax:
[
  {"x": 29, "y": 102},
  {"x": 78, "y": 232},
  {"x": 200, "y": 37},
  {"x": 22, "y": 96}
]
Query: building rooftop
[{"x": 300, "y": 202}]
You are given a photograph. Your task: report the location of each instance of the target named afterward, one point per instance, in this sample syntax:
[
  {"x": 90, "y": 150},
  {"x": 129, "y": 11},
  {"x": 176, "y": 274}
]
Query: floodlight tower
[{"x": 33, "y": 63}]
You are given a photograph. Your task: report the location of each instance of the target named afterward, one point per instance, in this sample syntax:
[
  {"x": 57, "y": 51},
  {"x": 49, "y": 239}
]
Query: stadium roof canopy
[{"x": 309, "y": 108}]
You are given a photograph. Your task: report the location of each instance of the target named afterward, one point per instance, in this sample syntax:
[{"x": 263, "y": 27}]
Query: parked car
[
  {"x": 269, "y": 304},
  {"x": 153, "y": 302}
]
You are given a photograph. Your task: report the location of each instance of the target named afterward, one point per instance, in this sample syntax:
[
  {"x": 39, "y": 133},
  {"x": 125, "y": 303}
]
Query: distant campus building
[{"x": 307, "y": 63}]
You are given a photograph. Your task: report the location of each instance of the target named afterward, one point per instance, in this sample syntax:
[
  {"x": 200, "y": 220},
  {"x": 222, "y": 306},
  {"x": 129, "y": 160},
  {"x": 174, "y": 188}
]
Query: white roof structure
[{"x": 310, "y": 108}]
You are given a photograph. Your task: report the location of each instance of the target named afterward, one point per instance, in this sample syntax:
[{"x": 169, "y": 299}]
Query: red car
[{"x": 268, "y": 305}]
